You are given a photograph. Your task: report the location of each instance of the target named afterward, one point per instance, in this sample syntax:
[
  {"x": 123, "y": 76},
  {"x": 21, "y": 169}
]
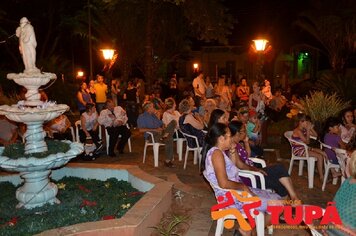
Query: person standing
[
  {"x": 27, "y": 45},
  {"x": 243, "y": 91},
  {"x": 130, "y": 96},
  {"x": 114, "y": 119},
  {"x": 199, "y": 86},
  {"x": 101, "y": 90},
  {"x": 83, "y": 97}
]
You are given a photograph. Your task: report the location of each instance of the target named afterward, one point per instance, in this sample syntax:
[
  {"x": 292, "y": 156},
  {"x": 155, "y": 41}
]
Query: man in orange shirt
[{"x": 101, "y": 90}]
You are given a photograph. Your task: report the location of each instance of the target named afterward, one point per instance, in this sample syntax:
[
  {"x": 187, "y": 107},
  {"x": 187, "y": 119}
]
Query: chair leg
[
  {"x": 325, "y": 177},
  {"x": 301, "y": 165},
  {"x": 219, "y": 227},
  {"x": 144, "y": 153},
  {"x": 290, "y": 166},
  {"x": 195, "y": 156},
  {"x": 186, "y": 157},
  {"x": 129, "y": 144},
  {"x": 180, "y": 148},
  {"x": 260, "y": 224},
  {"x": 156, "y": 154},
  {"x": 311, "y": 169},
  {"x": 199, "y": 158}
]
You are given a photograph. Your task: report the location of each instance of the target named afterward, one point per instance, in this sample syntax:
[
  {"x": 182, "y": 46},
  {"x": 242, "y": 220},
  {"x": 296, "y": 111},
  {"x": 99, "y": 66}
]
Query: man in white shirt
[
  {"x": 199, "y": 86},
  {"x": 114, "y": 119}
]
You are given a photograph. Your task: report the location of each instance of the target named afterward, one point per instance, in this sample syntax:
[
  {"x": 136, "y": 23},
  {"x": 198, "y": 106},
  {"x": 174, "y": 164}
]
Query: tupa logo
[
  {"x": 306, "y": 213},
  {"x": 218, "y": 211}
]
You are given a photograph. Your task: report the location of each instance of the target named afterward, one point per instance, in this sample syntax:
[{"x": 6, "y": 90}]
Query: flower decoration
[
  {"x": 107, "y": 185},
  {"x": 61, "y": 186},
  {"x": 126, "y": 206},
  {"x": 109, "y": 217},
  {"x": 87, "y": 203},
  {"x": 84, "y": 189}
]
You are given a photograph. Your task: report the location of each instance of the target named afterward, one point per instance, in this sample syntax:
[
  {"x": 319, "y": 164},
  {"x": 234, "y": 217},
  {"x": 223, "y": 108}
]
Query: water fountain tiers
[{"x": 37, "y": 189}]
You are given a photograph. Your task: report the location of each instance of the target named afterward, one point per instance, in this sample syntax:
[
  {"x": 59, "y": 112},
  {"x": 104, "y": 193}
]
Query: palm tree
[{"x": 333, "y": 25}]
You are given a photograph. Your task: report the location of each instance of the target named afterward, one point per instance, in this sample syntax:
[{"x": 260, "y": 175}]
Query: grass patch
[
  {"x": 17, "y": 150},
  {"x": 81, "y": 201}
]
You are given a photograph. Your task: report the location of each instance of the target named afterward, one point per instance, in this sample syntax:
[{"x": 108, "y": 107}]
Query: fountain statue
[{"x": 37, "y": 189}]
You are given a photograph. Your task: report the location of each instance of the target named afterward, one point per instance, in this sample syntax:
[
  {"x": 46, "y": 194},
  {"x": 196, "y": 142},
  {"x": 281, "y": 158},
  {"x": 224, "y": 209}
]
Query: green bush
[{"x": 320, "y": 106}]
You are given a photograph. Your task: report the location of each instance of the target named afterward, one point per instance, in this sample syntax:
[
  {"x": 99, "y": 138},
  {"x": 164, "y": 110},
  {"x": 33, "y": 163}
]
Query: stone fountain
[{"x": 37, "y": 189}]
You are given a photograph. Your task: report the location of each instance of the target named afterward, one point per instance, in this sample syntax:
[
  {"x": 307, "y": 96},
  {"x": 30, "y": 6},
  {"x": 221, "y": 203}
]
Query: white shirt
[
  {"x": 90, "y": 120},
  {"x": 168, "y": 117},
  {"x": 346, "y": 134},
  {"x": 108, "y": 118},
  {"x": 199, "y": 85}
]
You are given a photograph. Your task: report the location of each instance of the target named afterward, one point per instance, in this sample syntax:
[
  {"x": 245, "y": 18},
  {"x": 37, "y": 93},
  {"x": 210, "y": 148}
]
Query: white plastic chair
[
  {"x": 253, "y": 174},
  {"x": 310, "y": 160},
  {"x": 259, "y": 219},
  {"x": 180, "y": 142},
  {"x": 107, "y": 138},
  {"x": 328, "y": 165},
  {"x": 77, "y": 125},
  {"x": 155, "y": 146},
  {"x": 196, "y": 150},
  {"x": 342, "y": 158}
]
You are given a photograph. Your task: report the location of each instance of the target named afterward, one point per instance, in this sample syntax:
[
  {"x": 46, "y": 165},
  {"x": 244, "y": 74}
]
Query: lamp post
[
  {"x": 260, "y": 47},
  {"x": 110, "y": 58}
]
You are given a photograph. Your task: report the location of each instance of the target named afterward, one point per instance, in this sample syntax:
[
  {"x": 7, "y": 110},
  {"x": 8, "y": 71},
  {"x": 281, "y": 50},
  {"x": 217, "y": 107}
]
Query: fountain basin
[
  {"x": 145, "y": 213},
  {"x": 37, "y": 189},
  {"x": 32, "y": 82}
]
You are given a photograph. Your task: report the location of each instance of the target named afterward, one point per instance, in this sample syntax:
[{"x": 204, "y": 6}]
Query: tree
[{"x": 333, "y": 25}]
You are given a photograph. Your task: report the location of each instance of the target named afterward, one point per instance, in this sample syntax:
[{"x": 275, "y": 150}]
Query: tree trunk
[{"x": 149, "y": 47}]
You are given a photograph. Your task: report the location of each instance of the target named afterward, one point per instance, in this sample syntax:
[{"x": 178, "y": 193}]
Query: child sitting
[
  {"x": 332, "y": 138},
  {"x": 253, "y": 128}
]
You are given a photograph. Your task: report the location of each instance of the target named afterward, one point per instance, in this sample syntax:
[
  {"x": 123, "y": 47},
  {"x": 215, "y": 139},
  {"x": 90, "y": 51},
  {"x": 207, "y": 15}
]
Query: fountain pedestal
[{"x": 36, "y": 190}]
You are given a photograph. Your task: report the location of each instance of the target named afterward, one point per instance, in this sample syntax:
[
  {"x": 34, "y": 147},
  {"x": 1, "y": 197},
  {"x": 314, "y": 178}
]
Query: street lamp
[
  {"x": 108, "y": 54},
  {"x": 260, "y": 47},
  {"x": 196, "y": 67},
  {"x": 260, "y": 44},
  {"x": 80, "y": 74}
]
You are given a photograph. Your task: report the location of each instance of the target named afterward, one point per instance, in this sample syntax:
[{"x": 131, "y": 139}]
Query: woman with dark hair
[
  {"x": 218, "y": 116},
  {"x": 276, "y": 176},
  {"x": 222, "y": 172},
  {"x": 348, "y": 126},
  {"x": 83, "y": 97}
]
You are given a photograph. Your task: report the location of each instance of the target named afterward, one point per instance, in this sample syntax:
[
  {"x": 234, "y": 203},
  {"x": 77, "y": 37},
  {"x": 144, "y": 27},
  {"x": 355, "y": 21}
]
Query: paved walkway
[{"x": 197, "y": 195}]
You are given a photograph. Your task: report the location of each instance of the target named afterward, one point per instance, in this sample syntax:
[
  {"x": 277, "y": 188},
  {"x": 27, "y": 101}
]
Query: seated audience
[
  {"x": 191, "y": 123},
  {"x": 149, "y": 122},
  {"x": 347, "y": 127},
  {"x": 253, "y": 128},
  {"x": 114, "y": 119},
  {"x": 222, "y": 173},
  {"x": 171, "y": 113},
  {"x": 302, "y": 133},
  {"x": 89, "y": 131},
  {"x": 218, "y": 116},
  {"x": 8, "y": 132},
  {"x": 276, "y": 176},
  {"x": 209, "y": 107},
  {"x": 59, "y": 128}
]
